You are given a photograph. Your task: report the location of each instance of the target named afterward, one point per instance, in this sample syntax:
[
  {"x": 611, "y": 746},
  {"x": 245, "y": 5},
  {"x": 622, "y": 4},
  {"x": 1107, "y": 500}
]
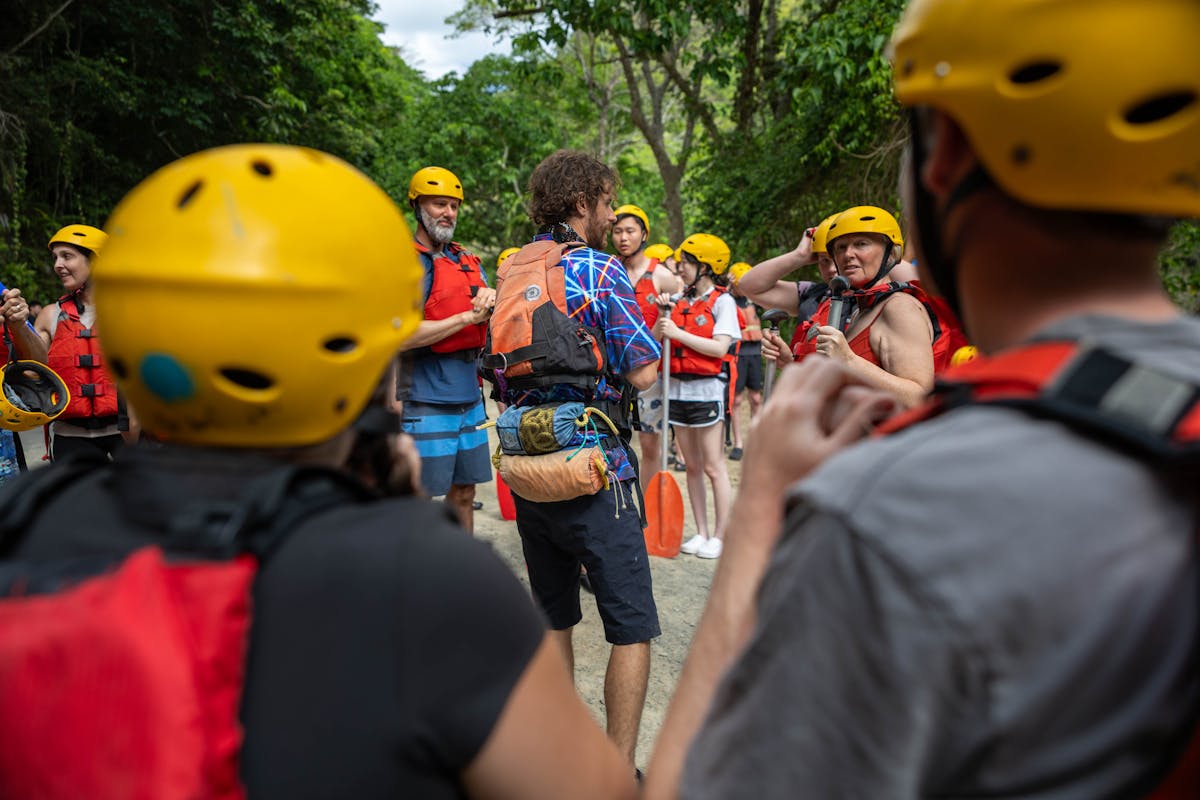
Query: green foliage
[
  {"x": 1180, "y": 265},
  {"x": 107, "y": 92}
]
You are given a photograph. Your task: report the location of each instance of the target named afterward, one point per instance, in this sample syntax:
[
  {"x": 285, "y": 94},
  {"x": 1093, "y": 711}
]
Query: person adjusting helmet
[
  {"x": 867, "y": 220},
  {"x": 237, "y": 571},
  {"x": 1008, "y": 572},
  {"x": 437, "y": 386},
  {"x": 737, "y": 271}
]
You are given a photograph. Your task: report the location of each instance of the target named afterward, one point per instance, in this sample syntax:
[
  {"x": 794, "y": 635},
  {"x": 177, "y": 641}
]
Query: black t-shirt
[{"x": 384, "y": 644}]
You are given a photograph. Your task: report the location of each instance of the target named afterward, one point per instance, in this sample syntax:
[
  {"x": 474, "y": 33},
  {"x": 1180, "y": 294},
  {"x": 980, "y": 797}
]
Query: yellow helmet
[
  {"x": 84, "y": 236},
  {"x": 821, "y": 234},
  {"x": 964, "y": 355},
  {"x": 31, "y": 395},
  {"x": 738, "y": 270},
  {"x": 434, "y": 181},
  {"x": 1087, "y": 105},
  {"x": 660, "y": 252},
  {"x": 707, "y": 249},
  {"x": 504, "y": 256},
  {"x": 243, "y": 299},
  {"x": 630, "y": 210},
  {"x": 865, "y": 219}
]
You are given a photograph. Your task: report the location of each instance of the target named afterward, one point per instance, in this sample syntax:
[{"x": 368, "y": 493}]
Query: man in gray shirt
[{"x": 991, "y": 602}]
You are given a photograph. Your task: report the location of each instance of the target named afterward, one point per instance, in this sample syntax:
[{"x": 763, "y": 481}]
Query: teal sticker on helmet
[{"x": 166, "y": 378}]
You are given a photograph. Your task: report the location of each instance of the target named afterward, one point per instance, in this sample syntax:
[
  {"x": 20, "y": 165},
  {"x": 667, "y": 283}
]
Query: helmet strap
[{"x": 941, "y": 264}]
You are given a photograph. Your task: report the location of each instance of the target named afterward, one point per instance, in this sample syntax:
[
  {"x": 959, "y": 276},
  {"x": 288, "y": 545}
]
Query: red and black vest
[
  {"x": 75, "y": 355},
  {"x": 454, "y": 286},
  {"x": 645, "y": 293},
  {"x": 696, "y": 316},
  {"x": 1142, "y": 411},
  {"x": 948, "y": 335},
  {"x": 123, "y": 676}
]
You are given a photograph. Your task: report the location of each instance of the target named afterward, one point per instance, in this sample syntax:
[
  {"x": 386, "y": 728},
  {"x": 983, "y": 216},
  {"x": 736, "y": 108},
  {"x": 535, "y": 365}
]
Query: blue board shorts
[
  {"x": 453, "y": 452},
  {"x": 558, "y": 537}
]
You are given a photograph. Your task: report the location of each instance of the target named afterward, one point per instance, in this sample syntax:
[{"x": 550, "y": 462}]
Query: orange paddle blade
[
  {"x": 508, "y": 509},
  {"x": 664, "y": 516}
]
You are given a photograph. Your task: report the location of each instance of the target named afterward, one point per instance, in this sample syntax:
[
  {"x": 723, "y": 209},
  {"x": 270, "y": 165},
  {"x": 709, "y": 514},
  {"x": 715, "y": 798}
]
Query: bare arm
[
  {"x": 30, "y": 345},
  {"x": 763, "y": 283},
  {"x": 546, "y": 744},
  {"x": 643, "y": 377},
  {"x": 902, "y": 340},
  {"x": 433, "y": 331},
  {"x": 813, "y": 414}
]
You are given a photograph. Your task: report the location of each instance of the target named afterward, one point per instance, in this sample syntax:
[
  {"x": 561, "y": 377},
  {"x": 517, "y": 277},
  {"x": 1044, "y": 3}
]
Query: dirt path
[{"x": 680, "y": 588}]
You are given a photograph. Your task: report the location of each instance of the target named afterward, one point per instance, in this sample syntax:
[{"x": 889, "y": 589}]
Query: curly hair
[{"x": 563, "y": 179}]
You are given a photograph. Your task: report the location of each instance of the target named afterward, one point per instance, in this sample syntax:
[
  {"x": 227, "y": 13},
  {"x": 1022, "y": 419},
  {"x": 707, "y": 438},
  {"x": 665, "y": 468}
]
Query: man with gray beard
[{"x": 442, "y": 405}]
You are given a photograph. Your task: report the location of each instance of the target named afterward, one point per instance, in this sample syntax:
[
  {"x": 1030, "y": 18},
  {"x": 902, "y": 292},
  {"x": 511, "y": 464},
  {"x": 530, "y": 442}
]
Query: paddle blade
[
  {"x": 508, "y": 509},
  {"x": 664, "y": 516}
]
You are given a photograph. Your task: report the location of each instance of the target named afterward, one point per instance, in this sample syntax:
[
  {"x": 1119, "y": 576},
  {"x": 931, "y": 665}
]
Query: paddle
[
  {"x": 771, "y": 319},
  {"x": 664, "y": 503}
]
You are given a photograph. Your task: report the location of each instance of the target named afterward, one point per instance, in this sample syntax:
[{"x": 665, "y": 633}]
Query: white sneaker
[
  {"x": 692, "y": 545},
  {"x": 710, "y": 549}
]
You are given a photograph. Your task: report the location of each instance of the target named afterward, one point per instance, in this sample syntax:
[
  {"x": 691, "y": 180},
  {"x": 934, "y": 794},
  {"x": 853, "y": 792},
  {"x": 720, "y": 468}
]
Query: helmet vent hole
[
  {"x": 1036, "y": 72},
  {"x": 246, "y": 378},
  {"x": 340, "y": 405},
  {"x": 1021, "y": 154},
  {"x": 1159, "y": 108},
  {"x": 188, "y": 194},
  {"x": 262, "y": 168},
  {"x": 340, "y": 344},
  {"x": 118, "y": 367},
  {"x": 867, "y": 219}
]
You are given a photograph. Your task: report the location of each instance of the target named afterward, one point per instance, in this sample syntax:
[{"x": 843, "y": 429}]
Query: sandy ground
[{"x": 680, "y": 587}]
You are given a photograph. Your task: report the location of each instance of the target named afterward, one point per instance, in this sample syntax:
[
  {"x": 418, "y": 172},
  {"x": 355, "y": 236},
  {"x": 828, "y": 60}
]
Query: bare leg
[
  {"x": 563, "y": 638},
  {"x": 688, "y": 440},
  {"x": 625, "y": 694},
  {"x": 716, "y": 472},
  {"x": 755, "y": 398},
  {"x": 461, "y": 498}
]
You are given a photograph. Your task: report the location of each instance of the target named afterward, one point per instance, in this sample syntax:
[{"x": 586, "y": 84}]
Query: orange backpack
[{"x": 532, "y": 340}]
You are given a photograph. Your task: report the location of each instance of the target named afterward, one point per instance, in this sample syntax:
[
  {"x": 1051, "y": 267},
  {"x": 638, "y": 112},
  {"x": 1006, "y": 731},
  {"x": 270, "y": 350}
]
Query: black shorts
[
  {"x": 558, "y": 537},
  {"x": 697, "y": 413},
  {"x": 749, "y": 372}
]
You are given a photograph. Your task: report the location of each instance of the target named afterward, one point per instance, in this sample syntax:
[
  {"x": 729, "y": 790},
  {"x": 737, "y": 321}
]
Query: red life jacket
[
  {"x": 454, "y": 287},
  {"x": 645, "y": 293},
  {"x": 75, "y": 355},
  {"x": 748, "y": 320},
  {"x": 1089, "y": 389},
  {"x": 123, "y": 677},
  {"x": 948, "y": 335},
  {"x": 696, "y": 316}
]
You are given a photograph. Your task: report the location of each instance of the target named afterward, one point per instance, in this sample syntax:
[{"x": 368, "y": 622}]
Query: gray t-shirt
[{"x": 986, "y": 604}]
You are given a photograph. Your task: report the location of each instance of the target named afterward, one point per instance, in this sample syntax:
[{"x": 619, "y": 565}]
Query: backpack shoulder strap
[
  {"x": 26, "y": 496},
  {"x": 1092, "y": 388},
  {"x": 270, "y": 507}
]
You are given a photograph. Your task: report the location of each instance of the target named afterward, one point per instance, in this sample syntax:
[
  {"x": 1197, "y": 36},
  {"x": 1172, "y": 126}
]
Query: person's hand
[
  {"x": 814, "y": 411},
  {"x": 14, "y": 308},
  {"x": 406, "y": 465},
  {"x": 665, "y": 328},
  {"x": 804, "y": 251},
  {"x": 832, "y": 343},
  {"x": 485, "y": 299},
  {"x": 665, "y": 302},
  {"x": 774, "y": 348}
]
